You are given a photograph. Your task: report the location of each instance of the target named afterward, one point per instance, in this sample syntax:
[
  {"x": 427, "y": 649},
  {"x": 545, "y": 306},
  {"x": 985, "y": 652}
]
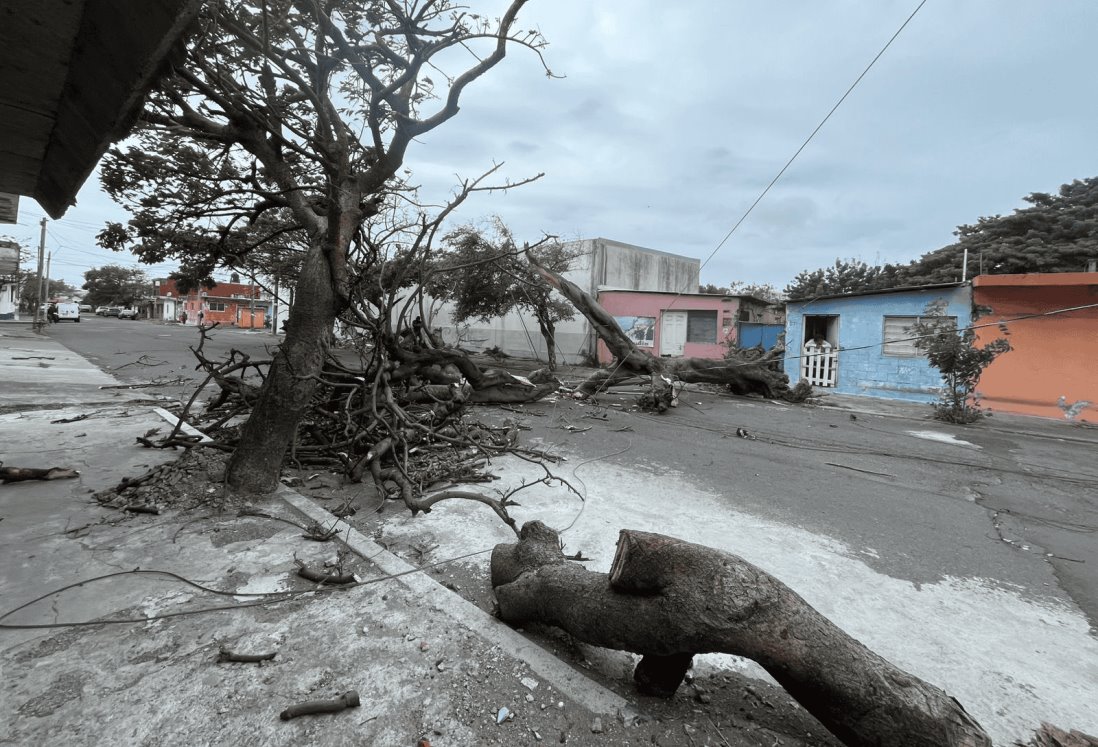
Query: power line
[
  {"x": 793, "y": 158},
  {"x": 812, "y": 134}
]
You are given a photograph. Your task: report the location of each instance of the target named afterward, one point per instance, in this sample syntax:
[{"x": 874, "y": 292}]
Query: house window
[
  {"x": 216, "y": 305},
  {"x": 701, "y": 326},
  {"x": 898, "y": 334}
]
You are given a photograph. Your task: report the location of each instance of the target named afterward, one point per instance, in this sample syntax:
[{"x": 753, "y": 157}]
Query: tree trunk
[
  {"x": 549, "y": 334},
  {"x": 288, "y": 390},
  {"x": 668, "y": 600},
  {"x": 739, "y": 374}
]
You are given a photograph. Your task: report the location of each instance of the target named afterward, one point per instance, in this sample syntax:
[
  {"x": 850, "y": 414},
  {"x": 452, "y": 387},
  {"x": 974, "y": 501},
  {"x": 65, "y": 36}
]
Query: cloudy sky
[{"x": 673, "y": 117}]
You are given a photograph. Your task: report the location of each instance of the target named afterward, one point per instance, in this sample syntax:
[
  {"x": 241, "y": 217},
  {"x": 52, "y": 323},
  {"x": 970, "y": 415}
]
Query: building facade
[
  {"x": 861, "y": 343},
  {"x": 241, "y": 305},
  {"x": 690, "y": 325},
  {"x": 1052, "y": 324}
]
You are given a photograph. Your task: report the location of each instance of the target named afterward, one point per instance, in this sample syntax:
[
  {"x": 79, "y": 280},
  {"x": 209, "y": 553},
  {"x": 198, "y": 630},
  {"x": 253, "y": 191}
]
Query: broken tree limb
[
  {"x": 225, "y": 654},
  {"x": 19, "y": 474},
  {"x": 348, "y": 699},
  {"x": 667, "y": 599},
  {"x": 740, "y": 374},
  {"x": 1052, "y": 736}
]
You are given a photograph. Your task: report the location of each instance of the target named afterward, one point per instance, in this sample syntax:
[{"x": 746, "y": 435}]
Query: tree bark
[
  {"x": 740, "y": 375},
  {"x": 288, "y": 391},
  {"x": 670, "y": 599}
]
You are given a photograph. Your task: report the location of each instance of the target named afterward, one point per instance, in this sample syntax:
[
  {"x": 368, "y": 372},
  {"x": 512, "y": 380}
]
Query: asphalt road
[
  {"x": 1012, "y": 499},
  {"x": 142, "y": 352}
]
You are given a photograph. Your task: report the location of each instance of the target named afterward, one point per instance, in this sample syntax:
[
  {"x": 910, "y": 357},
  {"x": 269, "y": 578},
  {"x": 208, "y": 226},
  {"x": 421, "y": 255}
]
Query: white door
[{"x": 673, "y": 333}]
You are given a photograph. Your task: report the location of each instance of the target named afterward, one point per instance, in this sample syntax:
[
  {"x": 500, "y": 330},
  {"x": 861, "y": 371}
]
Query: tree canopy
[
  {"x": 285, "y": 123},
  {"x": 114, "y": 284},
  {"x": 496, "y": 278},
  {"x": 1056, "y": 233}
]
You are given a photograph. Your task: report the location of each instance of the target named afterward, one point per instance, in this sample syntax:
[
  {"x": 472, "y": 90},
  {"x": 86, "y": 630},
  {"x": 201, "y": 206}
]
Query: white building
[
  {"x": 602, "y": 264},
  {"x": 9, "y": 280}
]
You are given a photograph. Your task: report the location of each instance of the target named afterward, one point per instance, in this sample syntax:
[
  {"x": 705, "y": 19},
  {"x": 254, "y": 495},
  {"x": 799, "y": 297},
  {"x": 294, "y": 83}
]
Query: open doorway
[
  {"x": 826, "y": 326},
  {"x": 820, "y": 350}
]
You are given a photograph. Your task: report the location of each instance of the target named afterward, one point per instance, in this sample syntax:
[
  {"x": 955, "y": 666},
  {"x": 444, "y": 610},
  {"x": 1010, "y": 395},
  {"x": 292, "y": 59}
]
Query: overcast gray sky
[{"x": 673, "y": 117}]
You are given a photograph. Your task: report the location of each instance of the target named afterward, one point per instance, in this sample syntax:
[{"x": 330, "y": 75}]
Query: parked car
[
  {"x": 112, "y": 311},
  {"x": 68, "y": 312},
  {"x": 101, "y": 311},
  {"x": 127, "y": 313}
]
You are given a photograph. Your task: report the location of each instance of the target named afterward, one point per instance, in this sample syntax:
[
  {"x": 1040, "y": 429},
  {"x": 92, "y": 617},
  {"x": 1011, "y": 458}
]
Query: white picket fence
[{"x": 819, "y": 364}]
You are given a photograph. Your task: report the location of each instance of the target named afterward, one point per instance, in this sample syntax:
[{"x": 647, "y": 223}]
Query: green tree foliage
[
  {"x": 958, "y": 359},
  {"x": 763, "y": 291},
  {"x": 28, "y": 290},
  {"x": 495, "y": 278},
  {"x": 844, "y": 276},
  {"x": 1056, "y": 233},
  {"x": 113, "y": 285}
]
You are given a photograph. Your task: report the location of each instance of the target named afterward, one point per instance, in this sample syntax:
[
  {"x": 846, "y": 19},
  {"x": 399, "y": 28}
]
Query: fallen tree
[
  {"x": 668, "y": 600},
  {"x": 740, "y": 373}
]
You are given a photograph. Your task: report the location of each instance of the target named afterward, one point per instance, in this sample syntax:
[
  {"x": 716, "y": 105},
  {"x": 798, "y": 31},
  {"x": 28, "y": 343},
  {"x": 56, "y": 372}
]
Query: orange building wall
[{"x": 1053, "y": 356}]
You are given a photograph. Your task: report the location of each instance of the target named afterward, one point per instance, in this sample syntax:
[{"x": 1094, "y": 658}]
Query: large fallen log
[
  {"x": 667, "y": 600},
  {"x": 741, "y": 374},
  {"x": 19, "y": 474}
]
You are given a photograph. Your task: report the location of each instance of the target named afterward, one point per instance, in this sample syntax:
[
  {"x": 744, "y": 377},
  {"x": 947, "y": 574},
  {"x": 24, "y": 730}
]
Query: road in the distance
[{"x": 141, "y": 352}]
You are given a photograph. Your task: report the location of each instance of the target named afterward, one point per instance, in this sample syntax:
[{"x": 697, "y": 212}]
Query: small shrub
[{"x": 959, "y": 360}]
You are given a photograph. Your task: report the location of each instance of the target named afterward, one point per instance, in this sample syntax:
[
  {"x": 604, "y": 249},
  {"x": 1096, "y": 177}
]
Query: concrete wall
[
  {"x": 868, "y": 371},
  {"x": 1053, "y": 356},
  {"x": 600, "y": 263},
  {"x": 619, "y": 265}
]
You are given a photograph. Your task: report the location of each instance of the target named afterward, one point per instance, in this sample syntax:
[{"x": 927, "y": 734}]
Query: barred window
[{"x": 701, "y": 326}]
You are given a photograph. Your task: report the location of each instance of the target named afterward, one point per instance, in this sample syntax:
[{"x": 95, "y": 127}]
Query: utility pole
[
  {"x": 274, "y": 309},
  {"x": 49, "y": 258},
  {"x": 38, "y": 300}
]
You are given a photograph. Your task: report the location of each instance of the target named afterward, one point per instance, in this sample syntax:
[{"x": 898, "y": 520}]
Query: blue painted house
[{"x": 858, "y": 343}]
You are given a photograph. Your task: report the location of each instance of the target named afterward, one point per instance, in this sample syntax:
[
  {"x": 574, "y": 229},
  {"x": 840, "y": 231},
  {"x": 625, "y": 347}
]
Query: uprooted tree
[
  {"x": 668, "y": 600},
  {"x": 288, "y": 121},
  {"x": 738, "y": 371}
]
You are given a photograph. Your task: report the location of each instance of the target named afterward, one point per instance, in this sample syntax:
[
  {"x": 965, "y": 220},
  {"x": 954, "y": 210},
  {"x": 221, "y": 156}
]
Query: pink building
[{"x": 690, "y": 325}]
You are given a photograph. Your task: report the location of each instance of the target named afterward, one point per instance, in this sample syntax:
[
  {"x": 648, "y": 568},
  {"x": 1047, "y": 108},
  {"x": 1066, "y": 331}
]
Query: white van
[{"x": 70, "y": 311}]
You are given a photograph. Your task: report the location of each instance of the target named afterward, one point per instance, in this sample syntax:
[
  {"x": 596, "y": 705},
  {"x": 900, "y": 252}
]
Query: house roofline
[
  {"x": 878, "y": 291},
  {"x": 1034, "y": 279},
  {"x": 722, "y": 296}
]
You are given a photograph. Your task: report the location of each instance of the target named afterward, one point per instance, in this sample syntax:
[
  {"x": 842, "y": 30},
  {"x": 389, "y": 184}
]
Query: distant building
[
  {"x": 692, "y": 325},
  {"x": 237, "y": 304},
  {"x": 601, "y": 263},
  {"x": 9, "y": 280}
]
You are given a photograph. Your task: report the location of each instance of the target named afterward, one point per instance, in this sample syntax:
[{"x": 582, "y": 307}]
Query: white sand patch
[
  {"x": 1012, "y": 661},
  {"x": 945, "y": 438}
]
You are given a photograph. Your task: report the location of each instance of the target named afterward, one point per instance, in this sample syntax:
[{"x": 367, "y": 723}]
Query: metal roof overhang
[{"x": 73, "y": 76}]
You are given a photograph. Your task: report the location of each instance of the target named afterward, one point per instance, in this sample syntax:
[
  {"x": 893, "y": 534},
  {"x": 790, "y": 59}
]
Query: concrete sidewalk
[{"x": 425, "y": 663}]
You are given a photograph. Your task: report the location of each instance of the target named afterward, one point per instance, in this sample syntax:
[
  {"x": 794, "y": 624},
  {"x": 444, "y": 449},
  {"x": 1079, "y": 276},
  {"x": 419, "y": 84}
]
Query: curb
[{"x": 567, "y": 680}]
